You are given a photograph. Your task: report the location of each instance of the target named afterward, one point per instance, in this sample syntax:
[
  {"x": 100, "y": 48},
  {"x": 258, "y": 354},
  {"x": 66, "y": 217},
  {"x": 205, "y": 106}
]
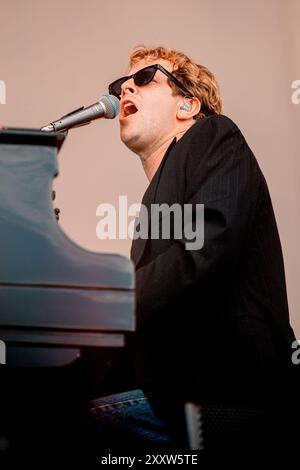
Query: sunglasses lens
[
  {"x": 115, "y": 88},
  {"x": 144, "y": 76}
]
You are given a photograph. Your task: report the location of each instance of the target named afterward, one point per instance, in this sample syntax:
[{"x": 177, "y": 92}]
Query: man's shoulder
[
  {"x": 213, "y": 125},
  {"x": 213, "y": 142},
  {"x": 209, "y": 135}
]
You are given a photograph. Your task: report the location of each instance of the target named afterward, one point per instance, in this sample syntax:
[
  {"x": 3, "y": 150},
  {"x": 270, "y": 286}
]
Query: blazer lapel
[{"x": 139, "y": 244}]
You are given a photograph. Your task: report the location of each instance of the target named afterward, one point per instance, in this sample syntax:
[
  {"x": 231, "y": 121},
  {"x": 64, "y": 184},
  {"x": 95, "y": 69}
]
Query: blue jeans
[{"x": 125, "y": 421}]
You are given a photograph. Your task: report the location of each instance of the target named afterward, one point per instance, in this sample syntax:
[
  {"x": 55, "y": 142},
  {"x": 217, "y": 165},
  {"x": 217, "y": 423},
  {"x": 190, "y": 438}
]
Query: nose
[{"x": 128, "y": 87}]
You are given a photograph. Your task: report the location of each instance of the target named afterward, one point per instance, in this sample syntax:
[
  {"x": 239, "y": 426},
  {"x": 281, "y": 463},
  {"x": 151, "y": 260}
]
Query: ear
[{"x": 188, "y": 108}]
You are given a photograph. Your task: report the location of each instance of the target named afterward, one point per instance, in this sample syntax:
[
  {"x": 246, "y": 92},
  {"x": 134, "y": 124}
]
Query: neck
[{"x": 152, "y": 159}]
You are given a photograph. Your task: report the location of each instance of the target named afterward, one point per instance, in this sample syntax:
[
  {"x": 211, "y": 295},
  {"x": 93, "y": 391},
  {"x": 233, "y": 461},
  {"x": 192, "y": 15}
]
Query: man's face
[{"x": 155, "y": 120}]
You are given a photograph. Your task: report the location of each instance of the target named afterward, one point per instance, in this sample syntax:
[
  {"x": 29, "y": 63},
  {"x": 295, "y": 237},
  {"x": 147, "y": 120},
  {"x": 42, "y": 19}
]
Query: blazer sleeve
[{"x": 221, "y": 173}]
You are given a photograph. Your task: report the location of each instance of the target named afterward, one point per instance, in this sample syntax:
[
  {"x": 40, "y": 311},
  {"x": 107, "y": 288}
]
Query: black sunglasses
[{"x": 143, "y": 77}]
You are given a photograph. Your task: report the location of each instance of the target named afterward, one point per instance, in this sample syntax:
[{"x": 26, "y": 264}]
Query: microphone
[{"x": 107, "y": 107}]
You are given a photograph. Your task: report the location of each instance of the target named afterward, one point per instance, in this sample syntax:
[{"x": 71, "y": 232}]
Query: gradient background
[{"x": 56, "y": 56}]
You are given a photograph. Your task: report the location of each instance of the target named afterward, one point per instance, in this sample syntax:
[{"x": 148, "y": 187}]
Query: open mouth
[{"x": 128, "y": 109}]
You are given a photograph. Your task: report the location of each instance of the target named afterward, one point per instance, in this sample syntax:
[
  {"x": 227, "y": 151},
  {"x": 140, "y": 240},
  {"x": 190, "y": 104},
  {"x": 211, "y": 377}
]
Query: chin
[
  {"x": 126, "y": 137},
  {"x": 131, "y": 140}
]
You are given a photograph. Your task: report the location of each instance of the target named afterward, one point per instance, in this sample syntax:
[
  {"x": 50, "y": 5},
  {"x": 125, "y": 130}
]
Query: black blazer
[{"x": 212, "y": 324}]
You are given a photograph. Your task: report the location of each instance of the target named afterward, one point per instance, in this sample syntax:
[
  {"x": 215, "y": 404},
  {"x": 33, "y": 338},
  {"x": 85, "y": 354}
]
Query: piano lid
[
  {"x": 26, "y": 136},
  {"x": 34, "y": 250}
]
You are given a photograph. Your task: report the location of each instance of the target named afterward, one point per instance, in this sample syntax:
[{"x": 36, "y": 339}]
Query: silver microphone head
[
  {"x": 107, "y": 107},
  {"x": 111, "y": 106}
]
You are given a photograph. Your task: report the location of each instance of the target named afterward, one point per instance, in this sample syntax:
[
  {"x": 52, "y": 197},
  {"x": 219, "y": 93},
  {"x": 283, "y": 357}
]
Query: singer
[{"x": 212, "y": 324}]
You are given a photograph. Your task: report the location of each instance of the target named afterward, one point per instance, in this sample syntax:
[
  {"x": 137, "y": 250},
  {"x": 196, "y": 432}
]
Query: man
[{"x": 212, "y": 323}]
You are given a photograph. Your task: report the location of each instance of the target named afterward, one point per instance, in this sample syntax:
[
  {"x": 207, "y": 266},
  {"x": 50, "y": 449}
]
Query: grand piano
[{"x": 59, "y": 303}]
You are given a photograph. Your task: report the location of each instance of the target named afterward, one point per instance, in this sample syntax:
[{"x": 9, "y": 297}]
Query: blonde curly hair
[{"x": 196, "y": 78}]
